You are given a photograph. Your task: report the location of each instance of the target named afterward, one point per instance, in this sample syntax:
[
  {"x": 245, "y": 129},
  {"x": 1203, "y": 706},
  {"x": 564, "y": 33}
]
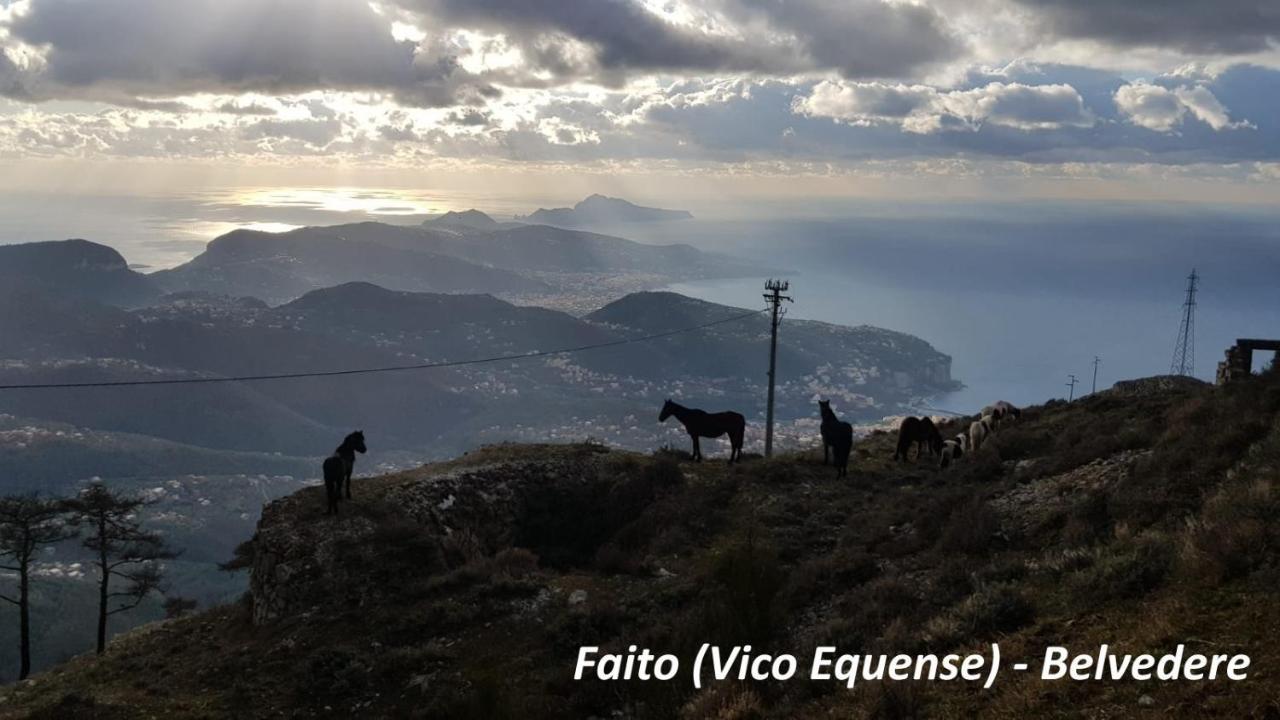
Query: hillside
[
  {"x": 45, "y": 338},
  {"x": 277, "y": 267},
  {"x": 1141, "y": 517},
  {"x": 866, "y": 369},
  {"x": 456, "y": 253},
  {"x": 75, "y": 268}
]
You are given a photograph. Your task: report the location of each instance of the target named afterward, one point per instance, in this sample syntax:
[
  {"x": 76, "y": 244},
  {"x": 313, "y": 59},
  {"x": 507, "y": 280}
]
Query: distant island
[{"x": 598, "y": 209}]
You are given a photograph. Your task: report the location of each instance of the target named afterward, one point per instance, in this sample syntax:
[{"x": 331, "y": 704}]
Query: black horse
[
  {"x": 700, "y": 424},
  {"x": 920, "y": 431},
  {"x": 837, "y": 437},
  {"x": 338, "y": 467}
]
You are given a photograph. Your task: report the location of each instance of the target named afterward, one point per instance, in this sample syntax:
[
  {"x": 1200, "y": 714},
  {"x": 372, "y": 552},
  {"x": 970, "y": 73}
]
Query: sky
[{"x": 1170, "y": 100}]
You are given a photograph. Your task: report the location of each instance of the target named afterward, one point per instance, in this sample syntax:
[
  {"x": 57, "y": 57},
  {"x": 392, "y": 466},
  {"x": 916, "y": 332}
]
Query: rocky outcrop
[
  {"x": 1026, "y": 508},
  {"x": 303, "y": 558},
  {"x": 1157, "y": 385}
]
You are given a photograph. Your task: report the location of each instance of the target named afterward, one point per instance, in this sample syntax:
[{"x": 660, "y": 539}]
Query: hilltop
[
  {"x": 598, "y": 209},
  {"x": 1140, "y": 516},
  {"x": 74, "y": 268}
]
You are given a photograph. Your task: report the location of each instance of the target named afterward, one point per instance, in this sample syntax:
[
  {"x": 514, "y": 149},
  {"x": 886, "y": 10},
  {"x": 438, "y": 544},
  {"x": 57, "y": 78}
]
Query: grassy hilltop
[{"x": 1143, "y": 517}]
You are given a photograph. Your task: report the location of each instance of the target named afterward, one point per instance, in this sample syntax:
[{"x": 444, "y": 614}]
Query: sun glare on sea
[{"x": 340, "y": 200}]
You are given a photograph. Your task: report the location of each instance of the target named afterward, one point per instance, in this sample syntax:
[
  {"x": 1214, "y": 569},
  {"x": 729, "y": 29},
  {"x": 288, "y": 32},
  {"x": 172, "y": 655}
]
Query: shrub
[
  {"x": 898, "y": 701},
  {"x": 723, "y": 701},
  {"x": 1129, "y": 568},
  {"x": 746, "y": 579},
  {"x": 514, "y": 563},
  {"x": 1235, "y": 533},
  {"x": 972, "y": 528},
  {"x": 1088, "y": 521},
  {"x": 175, "y": 607},
  {"x": 991, "y": 610}
]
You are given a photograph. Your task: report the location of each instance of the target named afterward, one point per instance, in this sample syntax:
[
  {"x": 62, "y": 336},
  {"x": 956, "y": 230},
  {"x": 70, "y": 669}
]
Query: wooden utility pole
[
  {"x": 1072, "y": 384},
  {"x": 1096, "y": 362},
  {"x": 774, "y": 298}
]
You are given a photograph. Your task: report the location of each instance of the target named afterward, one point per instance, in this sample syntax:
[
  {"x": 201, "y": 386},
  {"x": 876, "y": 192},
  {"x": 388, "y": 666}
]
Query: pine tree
[
  {"x": 122, "y": 550},
  {"x": 26, "y": 523}
]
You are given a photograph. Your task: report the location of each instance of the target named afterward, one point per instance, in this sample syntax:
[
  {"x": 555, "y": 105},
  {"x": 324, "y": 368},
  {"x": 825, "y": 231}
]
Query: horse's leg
[
  {"x": 697, "y": 448},
  {"x": 348, "y": 484}
]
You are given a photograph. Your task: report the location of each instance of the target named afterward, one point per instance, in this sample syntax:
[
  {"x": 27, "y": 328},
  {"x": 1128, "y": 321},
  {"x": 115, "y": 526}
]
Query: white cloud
[
  {"x": 923, "y": 109},
  {"x": 1162, "y": 109}
]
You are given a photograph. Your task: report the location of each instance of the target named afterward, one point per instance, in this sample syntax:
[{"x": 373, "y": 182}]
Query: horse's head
[
  {"x": 824, "y": 406},
  {"x": 668, "y": 409},
  {"x": 356, "y": 441}
]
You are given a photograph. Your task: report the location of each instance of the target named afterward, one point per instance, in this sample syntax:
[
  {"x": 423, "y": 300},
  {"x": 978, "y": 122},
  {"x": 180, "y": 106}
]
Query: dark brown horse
[
  {"x": 920, "y": 431},
  {"x": 837, "y": 437},
  {"x": 700, "y": 424},
  {"x": 338, "y": 467}
]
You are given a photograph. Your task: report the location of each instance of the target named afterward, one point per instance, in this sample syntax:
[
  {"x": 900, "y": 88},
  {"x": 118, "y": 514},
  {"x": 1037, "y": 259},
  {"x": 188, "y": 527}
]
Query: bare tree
[
  {"x": 26, "y": 523},
  {"x": 122, "y": 550}
]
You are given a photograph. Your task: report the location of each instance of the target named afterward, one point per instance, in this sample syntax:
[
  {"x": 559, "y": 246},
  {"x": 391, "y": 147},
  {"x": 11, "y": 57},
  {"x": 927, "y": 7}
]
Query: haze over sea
[{"x": 1020, "y": 294}]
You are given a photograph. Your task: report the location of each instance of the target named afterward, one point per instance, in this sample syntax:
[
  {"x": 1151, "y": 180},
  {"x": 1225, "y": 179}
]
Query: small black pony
[
  {"x": 920, "y": 431},
  {"x": 700, "y": 424},
  {"x": 338, "y": 467},
  {"x": 836, "y": 436}
]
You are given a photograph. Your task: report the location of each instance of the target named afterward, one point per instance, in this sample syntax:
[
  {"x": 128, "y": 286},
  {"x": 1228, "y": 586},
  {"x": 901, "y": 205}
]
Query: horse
[
  {"x": 952, "y": 450},
  {"x": 701, "y": 424},
  {"x": 1008, "y": 411},
  {"x": 338, "y": 467},
  {"x": 1000, "y": 411},
  {"x": 920, "y": 431},
  {"x": 836, "y": 436},
  {"x": 979, "y": 430}
]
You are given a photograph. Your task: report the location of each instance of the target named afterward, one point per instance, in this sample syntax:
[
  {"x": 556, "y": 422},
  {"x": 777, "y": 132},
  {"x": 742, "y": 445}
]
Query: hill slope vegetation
[{"x": 1142, "y": 517}]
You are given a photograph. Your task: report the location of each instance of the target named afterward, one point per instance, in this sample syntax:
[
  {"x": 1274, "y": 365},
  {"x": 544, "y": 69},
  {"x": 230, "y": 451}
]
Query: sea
[{"x": 1022, "y": 296}]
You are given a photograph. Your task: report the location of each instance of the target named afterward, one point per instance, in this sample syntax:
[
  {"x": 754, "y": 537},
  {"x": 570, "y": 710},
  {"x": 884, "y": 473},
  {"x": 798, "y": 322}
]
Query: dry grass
[{"x": 669, "y": 554}]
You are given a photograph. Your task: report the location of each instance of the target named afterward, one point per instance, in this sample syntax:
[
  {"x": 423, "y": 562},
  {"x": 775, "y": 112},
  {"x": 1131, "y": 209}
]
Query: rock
[
  {"x": 577, "y": 597},
  {"x": 1146, "y": 701},
  {"x": 301, "y": 555}
]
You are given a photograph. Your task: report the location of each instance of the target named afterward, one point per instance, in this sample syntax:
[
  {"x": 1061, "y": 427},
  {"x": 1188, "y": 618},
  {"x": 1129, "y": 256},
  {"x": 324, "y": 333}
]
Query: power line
[{"x": 386, "y": 369}]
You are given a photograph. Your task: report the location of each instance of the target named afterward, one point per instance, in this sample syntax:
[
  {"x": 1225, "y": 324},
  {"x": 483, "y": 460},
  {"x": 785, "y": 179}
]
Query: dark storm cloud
[
  {"x": 857, "y": 38},
  {"x": 158, "y": 47},
  {"x": 1200, "y": 26},
  {"x": 860, "y": 38},
  {"x": 625, "y": 35}
]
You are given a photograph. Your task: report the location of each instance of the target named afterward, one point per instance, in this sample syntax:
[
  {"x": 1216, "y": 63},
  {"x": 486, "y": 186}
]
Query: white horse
[
  {"x": 979, "y": 430},
  {"x": 1001, "y": 411},
  {"x": 952, "y": 450},
  {"x": 1008, "y": 411}
]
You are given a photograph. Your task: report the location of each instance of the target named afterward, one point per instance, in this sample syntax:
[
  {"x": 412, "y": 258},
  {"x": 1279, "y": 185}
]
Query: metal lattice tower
[{"x": 1184, "y": 350}]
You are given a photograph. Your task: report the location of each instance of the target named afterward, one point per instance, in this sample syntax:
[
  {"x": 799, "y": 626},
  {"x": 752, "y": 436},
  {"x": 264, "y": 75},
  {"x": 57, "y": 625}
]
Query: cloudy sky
[{"x": 1171, "y": 98}]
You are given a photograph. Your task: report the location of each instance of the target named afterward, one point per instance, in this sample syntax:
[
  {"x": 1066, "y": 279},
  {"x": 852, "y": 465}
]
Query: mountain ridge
[{"x": 597, "y": 209}]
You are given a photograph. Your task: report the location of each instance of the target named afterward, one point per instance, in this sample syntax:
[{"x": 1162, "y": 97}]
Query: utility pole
[
  {"x": 1184, "y": 350},
  {"x": 1072, "y": 384},
  {"x": 1096, "y": 362},
  {"x": 774, "y": 298}
]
